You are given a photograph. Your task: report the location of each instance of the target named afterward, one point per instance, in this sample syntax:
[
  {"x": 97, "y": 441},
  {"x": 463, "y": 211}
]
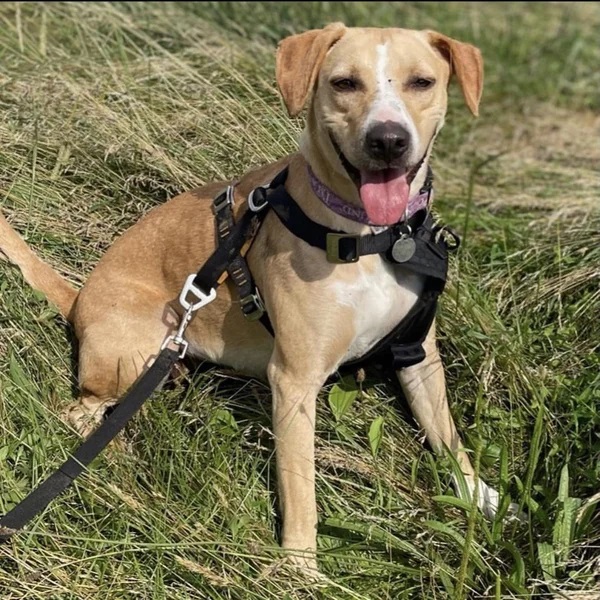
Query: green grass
[{"x": 108, "y": 110}]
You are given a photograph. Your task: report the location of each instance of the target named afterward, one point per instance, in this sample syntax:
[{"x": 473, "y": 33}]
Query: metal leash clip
[{"x": 190, "y": 306}]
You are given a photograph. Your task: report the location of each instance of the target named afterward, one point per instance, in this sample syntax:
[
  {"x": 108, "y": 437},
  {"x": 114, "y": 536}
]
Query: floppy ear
[
  {"x": 466, "y": 63},
  {"x": 299, "y": 58}
]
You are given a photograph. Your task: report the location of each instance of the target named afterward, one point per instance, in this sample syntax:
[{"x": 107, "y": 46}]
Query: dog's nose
[{"x": 386, "y": 141}]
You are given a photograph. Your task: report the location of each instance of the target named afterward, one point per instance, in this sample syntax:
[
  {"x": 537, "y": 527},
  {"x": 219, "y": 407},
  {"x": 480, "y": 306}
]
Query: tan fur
[
  {"x": 298, "y": 60},
  {"x": 129, "y": 303},
  {"x": 466, "y": 63},
  {"x": 37, "y": 273}
]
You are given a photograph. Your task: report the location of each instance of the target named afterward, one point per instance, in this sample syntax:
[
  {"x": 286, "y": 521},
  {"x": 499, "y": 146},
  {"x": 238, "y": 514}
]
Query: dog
[{"x": 376, "y": 100}]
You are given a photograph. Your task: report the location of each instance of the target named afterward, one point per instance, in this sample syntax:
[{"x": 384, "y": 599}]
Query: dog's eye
[
  {"x": 421, "y": 83},
  {"x": 345, "y": 85}
]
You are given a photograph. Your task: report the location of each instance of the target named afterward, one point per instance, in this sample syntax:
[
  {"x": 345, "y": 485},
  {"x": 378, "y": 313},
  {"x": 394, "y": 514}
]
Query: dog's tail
[{"x": 37, "y": 273}]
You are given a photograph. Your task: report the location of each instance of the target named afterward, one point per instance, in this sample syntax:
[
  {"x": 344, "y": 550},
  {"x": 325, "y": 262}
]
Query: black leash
[{"x": 62, "y": 478}]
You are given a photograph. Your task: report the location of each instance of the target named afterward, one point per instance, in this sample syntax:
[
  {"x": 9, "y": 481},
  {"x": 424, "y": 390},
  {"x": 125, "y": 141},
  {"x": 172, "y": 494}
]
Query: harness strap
[
  {"x": 212, "y": 270},
  {"x": 340, "y": 247},
  {"x": 425, "y": 252},
  {"x": 250, "y": 300},
  {"x": 429, "y": 256},
  {"x": 62, "y": 478},
  {"x": 403, "y": 346},
  {"x": 410, "y": 351}
]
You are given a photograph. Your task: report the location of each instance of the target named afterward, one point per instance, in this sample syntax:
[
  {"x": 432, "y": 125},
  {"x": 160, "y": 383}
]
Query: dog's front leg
[
  {"x": 425, "y": 388},
  {"x": 295, "y": 388}
]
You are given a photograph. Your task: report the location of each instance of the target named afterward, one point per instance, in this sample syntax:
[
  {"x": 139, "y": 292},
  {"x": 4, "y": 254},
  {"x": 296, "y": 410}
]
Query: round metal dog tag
[{"x": 404, "y": 249}]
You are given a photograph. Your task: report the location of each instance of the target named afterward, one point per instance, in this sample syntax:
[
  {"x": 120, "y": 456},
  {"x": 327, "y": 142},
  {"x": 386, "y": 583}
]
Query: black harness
[{"x": 418, "y": 246}]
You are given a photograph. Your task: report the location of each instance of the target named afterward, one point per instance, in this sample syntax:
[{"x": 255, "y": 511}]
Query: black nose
[{"x": 386, "y": 141}]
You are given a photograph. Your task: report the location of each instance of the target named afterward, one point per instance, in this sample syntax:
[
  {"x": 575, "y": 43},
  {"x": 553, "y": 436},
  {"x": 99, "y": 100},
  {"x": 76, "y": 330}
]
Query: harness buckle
[
  {"x": 201, "y": 298},
  {"x": 252, "y": 205},
  {"x": 223, "y": 200},
  {"x": 333, "y": 242},
  {"x": 252, "y": 306}
]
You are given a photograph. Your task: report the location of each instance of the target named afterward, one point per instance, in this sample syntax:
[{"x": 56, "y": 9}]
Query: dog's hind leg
[
  {"x": 113, "y": 353},
  {"x": 425, "y": 389}
]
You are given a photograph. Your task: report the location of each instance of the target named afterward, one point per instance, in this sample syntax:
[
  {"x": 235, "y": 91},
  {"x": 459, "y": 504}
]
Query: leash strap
[{"x": 62, "y": 478}]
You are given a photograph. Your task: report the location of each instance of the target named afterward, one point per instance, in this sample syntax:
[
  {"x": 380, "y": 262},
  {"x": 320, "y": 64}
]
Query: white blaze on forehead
[{"x": 388, "y": 106}]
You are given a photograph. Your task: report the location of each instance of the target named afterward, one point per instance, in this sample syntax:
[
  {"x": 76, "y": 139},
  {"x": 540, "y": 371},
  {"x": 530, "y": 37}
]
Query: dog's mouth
[{"x": 383, "y": 192}]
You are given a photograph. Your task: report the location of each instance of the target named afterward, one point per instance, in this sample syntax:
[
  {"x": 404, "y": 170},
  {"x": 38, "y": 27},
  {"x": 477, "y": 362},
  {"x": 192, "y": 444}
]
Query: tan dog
[{"x": 377, "y": 100}]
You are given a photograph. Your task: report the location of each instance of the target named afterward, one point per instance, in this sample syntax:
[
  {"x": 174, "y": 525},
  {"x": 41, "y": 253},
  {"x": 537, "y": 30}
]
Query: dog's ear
[
  {"x": 299, "y": 58},
  {"x": 466, "y": 63}
]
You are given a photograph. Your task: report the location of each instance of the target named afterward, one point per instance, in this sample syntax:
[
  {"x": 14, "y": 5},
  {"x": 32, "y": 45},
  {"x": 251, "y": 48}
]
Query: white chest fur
[{"x": 381, "y": 294}]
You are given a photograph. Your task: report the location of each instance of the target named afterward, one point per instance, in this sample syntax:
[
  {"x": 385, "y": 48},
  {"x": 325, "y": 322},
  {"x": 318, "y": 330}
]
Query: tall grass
[{"x": 108, "y": 109}]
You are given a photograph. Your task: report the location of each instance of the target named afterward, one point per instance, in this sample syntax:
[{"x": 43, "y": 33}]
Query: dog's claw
[{"x": 82, "y": 421}]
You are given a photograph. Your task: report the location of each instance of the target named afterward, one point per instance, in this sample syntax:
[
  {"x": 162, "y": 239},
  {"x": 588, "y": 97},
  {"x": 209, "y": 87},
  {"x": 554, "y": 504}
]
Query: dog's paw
[
  {"x": 302, "y": 565},
  {"x": 305, "y": 564},
  {"x": 83, "y": 419},
  {"x": 488, "y": 500}
]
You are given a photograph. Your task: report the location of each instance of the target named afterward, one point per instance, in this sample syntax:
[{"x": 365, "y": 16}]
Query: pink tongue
[{"x": 384, "y": 195}]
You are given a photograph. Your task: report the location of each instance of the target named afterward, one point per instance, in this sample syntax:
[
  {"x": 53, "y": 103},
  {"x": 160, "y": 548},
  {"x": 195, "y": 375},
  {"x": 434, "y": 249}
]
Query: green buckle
[{"x": 333, "y": 247}]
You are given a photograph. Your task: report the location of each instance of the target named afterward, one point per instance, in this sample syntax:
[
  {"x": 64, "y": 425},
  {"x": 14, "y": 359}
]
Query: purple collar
[{"x": 355, "y": 213}]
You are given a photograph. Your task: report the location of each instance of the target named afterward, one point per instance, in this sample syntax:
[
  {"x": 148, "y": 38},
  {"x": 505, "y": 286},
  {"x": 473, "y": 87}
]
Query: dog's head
[{"x": 378, "y": 98}]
